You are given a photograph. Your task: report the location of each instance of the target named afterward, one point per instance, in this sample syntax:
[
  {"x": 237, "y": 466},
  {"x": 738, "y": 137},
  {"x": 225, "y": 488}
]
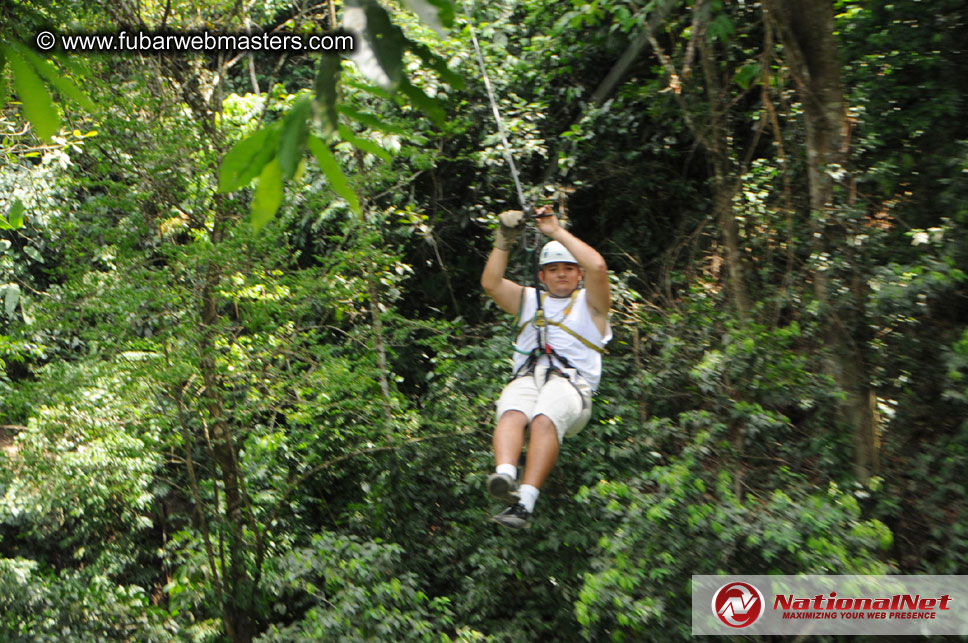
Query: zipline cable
[{"x": 506, "y": 149}]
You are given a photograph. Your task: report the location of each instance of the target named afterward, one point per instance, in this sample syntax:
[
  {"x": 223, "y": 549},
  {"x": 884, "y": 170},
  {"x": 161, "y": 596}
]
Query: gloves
[{"x": 512, "y": 224}]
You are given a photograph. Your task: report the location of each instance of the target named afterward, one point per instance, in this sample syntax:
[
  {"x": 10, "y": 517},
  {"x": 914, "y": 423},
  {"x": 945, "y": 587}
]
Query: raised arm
[
  {"x": 504, "y": 292},
  {"x": 596, "y": 272}
]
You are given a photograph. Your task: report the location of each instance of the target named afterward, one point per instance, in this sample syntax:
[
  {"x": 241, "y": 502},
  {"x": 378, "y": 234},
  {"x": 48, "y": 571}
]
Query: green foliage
[
  {"x": 665, "y": 523},
  {"x": 44, "y": 606},
  {"x": 30, "y": 73},
  {"x": 341, "y": 588},
  {"x": 378, "y": 53}
]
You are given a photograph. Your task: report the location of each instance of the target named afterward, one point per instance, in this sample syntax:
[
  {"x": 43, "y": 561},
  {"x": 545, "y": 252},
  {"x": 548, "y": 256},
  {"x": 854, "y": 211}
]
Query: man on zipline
[{"x": 557, "y": 356}]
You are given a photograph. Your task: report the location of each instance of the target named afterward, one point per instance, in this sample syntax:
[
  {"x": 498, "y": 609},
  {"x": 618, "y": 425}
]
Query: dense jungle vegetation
[{"x": 247, "y": 371}]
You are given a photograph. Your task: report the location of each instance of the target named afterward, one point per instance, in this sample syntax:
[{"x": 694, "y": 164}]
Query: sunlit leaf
[
  {"x": 334, "y": 174},
  {"x": 15, "y": 216},
  {"x": 247, "y": 158},
  {"x": 54, "y": 78},
  {"x": 38, "y": 107},
  {"x": 268, "y": 195}
]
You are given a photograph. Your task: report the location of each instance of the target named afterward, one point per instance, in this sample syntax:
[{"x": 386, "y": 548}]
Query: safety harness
[{"x": 543, "y": 347}]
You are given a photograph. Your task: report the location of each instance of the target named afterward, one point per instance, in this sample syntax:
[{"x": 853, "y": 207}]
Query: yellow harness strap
[{"x": 540, "y": 321}]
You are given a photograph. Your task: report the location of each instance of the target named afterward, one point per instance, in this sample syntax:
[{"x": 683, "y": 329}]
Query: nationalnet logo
[
  {"x": 738, "y": 604},
  {"x": 896, "y": 607},
  {"x": 812, "y": 604}
]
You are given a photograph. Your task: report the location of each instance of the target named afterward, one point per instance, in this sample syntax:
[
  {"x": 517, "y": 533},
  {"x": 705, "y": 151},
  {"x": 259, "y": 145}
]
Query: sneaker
[
  {"x": 503, "y": 487},
  {"x": 514, "y": 517}
]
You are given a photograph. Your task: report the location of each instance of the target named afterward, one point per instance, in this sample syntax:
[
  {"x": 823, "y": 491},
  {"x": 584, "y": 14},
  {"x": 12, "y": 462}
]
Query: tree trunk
[
  {"x": 806, "y": 29},
  {"x": 237, "y": 604}
]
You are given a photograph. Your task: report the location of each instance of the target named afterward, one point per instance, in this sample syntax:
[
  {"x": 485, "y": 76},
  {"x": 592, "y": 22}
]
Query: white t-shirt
[{"x": 586, "y": 361}]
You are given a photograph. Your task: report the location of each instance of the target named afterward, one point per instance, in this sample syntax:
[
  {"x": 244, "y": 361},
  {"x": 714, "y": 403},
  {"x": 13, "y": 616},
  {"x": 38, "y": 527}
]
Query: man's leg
[
  {"x": 508, "y": 440},
  {"x": 542, "y": 455},
  {"x": 509, "y": 437},
  {"x": 542, "y": 451}
]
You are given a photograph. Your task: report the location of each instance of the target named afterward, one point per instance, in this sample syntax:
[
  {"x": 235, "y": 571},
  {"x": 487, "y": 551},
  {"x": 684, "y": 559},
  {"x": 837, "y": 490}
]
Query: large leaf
[
  {"x": 293, "y": 136},
  {"x": 15, "y": 216},
  {"x": 268, "y": 195},
  {"x": 334, "y": 174},
  {"x": 379, "y": 43},
  {"x": 325, "y": 88},
  {"x": 54, "y": 78},
  {"x": 437, "y": 14},
  {"x": 38, "y": 107},
  {"x": 247, "y": 158}
]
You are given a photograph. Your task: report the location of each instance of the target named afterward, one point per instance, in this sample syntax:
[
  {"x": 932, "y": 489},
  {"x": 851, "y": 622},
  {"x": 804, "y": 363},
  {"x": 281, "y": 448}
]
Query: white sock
[
  {"x": 508, "y": 469},
  {"x": 528, "y": 495}
]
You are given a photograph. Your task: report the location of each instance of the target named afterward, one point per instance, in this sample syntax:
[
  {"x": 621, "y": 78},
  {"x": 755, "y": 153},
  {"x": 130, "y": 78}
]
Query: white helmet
[{"x": 555, "y": 251}]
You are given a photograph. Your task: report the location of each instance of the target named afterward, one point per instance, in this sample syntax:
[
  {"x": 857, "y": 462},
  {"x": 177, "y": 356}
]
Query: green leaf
[
  {"x": 247, "y": 158},
  {"x": 370, "y": 120},
  {"x": 720, "y": 28},
  {"x": 54, "y": 78},
  {"x": 15, "y": 215},
  {"x": 379, "y": 43},
  {"x": 37, "y": 105},
  {"x": 268, "y": 195},
  {"x": 429, "y": 106},
  {"x": 337, "y": 180},
  {"x": 747, "y": 74},
  {"x": 294, "y": 131},
  {"x": 369, "y": 147},
  {"x": 325, "y": 88}
]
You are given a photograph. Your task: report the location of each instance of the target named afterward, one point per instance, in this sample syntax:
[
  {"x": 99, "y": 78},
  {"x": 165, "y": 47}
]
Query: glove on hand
[{"x": 512, "y": 224}]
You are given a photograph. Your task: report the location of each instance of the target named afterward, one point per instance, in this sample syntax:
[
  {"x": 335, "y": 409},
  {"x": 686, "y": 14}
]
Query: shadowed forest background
[{"x": 247, "y": 370}]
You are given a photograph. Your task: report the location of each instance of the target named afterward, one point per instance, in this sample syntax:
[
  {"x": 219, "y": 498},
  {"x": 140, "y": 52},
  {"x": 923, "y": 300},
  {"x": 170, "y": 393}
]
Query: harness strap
[
  {"x": 540, "y": 321},
  {"x": 584, "y": 341}
]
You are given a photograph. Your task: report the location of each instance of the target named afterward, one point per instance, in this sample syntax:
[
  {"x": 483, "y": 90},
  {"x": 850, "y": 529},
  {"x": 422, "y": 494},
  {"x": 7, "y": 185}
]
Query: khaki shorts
[{"x": 567, "y": 402}]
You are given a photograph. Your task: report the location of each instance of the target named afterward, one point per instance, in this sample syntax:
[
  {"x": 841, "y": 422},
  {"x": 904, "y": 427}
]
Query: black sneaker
[
  {"x": 503, "y": 487},
  {"x": 514, "y": 517}
]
